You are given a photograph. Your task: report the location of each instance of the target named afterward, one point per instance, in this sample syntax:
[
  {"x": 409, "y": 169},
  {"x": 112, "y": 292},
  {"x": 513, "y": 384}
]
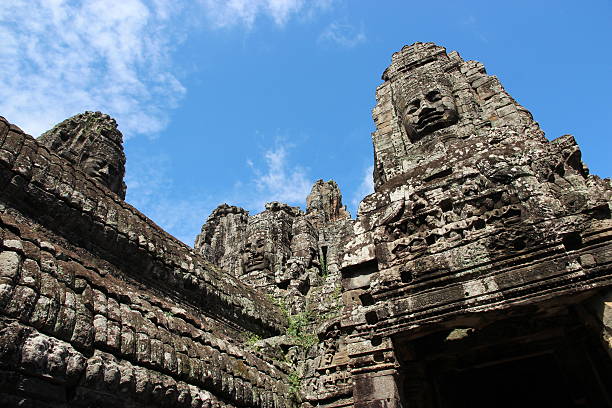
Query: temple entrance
[
  {"x": 529, "y": 382},
  {"x": 519, "y": 362}
]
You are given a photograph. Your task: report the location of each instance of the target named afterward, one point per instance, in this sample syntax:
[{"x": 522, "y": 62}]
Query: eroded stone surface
[
  {"x": 92, "y": 142},
  {"x": 474, "y": 211},
  {"x": 483, "y": 245},
  {"x": 99, "y": 305},
  {"x": 324, "y": 204},
  {"x": 282, "y": 250}
]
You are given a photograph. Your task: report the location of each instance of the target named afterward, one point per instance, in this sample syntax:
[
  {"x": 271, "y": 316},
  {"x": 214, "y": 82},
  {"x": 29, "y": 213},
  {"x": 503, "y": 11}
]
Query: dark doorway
[
  {"x": 522, "y": 361},
  {"x": 528, "y": 382}
]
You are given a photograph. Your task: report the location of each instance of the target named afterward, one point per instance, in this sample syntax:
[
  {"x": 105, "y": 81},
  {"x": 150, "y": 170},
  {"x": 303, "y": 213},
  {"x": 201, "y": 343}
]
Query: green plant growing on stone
[
  {"x": 323, "y": 262},
  {"x": 279, "y": 303},
  {"x": 294, "y": 382},
  {"x": 297, "y": 323},
  {"x": 337, "y": 293},
  {"x": 251, "y": 338},
  {"x": 298, "y": 329}
]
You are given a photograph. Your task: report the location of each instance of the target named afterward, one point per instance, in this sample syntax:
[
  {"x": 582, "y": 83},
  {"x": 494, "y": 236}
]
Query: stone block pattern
[
  {"x": 39, "y": 183},
  {"x": 82, "y": 328},
  {"x": 294, "y": 256}
]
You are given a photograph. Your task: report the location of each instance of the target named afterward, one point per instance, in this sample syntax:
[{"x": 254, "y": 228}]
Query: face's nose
[{"x": 426, "y": 106}]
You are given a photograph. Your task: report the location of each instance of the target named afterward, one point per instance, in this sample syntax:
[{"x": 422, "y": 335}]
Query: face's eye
[
  {"x": 434, "y": 96},
  {"x": 413, "y": 106}
]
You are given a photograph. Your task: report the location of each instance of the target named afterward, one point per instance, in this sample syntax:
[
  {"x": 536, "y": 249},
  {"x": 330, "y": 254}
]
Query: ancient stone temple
[{"x": 477, "y": 274}]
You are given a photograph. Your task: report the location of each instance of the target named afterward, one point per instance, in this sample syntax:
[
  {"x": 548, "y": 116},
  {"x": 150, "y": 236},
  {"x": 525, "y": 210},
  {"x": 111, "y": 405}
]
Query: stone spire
[
  {"x": 429, "y": 97},
  {"x": 324, "y": 203},
  {"x": 220, "y": 240},
  {"x": 92, "y": 141}
]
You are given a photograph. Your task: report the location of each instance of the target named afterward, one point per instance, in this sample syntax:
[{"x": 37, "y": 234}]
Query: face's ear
[{"x": 410, "y": 130}]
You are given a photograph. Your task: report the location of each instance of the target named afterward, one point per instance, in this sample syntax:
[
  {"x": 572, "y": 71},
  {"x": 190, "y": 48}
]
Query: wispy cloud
[
  {"x": 150, "y": 190},
  {"x": 146, "y": 177},
  {"x": 471, "y": 23},
  {"x": 366, "y": 187},
  {"x": 344, "y": 35},
  {"x": 276, "y": 179},
  {"x": 468, "y": 20},
  {"x": 227, "y": 13},
  {"x": 62, "y": 57}
]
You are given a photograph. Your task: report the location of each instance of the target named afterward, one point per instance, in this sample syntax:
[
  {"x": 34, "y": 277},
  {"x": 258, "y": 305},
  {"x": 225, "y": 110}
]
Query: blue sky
[{"x": 249, "y": 101}]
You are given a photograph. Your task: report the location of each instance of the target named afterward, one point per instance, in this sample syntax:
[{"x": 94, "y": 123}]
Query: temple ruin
[{"x": 477, "y": 274}]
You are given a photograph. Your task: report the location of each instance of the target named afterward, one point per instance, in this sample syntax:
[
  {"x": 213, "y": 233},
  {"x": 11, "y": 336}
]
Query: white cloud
[
  {"x": 366, "y": 187},
  {"x": 228, "y": 13},
  {"x": 150, "y": 190},
  {"x": 344, "y": 35},
  {"x": 61, "y": 57},
  {"x": 279, "y": 180}
]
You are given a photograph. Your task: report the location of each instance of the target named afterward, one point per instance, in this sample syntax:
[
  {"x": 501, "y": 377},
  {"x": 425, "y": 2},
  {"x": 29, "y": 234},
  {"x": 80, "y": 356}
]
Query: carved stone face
[
  {"x": 91, "y": 141},
  {"x": 254, "y": 257},
  {"x": 429, "y": 111},
  {"x": 104, "y": 171}
]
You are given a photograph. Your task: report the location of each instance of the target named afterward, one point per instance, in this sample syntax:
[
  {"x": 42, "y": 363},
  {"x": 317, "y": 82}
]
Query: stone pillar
[
  {"x": 376, "y": 389},
  {"x": 374, "y": 372}
]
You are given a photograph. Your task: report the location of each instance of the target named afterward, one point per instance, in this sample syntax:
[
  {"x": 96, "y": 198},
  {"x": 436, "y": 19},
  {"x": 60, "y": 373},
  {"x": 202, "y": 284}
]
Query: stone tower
[
  {"x": 91, "y": 141},
  {"x": 429, "y": 96},
  {"x": 481, "y": 236}
]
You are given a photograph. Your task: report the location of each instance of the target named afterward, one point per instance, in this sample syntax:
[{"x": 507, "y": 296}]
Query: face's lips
[
  {"x": 256, "y": 263},
  {"x": 99, "y": 177},
  {"x": 429, "y": 119}
]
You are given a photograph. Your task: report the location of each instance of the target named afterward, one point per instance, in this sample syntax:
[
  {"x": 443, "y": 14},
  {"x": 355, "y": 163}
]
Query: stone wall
[
  {"x": 294, "y": 257},
  {"x": 100, "y": 306}
]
